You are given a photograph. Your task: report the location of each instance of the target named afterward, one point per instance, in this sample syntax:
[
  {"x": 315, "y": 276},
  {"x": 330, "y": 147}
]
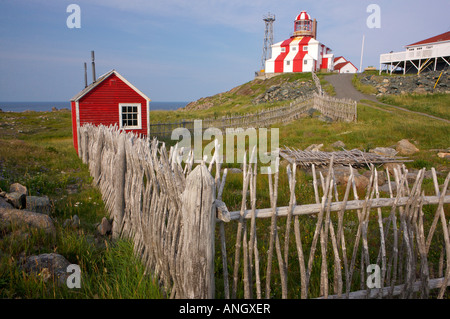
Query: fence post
[
  {"x": 85, "y": 146},
  {"x": 98, "y": 155},
  {"x": 119, "y": 186},
  {"x": 196, "y": 270}
]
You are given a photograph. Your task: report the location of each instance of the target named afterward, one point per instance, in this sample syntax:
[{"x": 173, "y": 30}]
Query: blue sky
[{"x": 178, "y": 50}]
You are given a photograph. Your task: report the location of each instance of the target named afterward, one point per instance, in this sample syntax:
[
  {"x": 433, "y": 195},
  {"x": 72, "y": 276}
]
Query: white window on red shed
[{"x": 130, "y": 116}]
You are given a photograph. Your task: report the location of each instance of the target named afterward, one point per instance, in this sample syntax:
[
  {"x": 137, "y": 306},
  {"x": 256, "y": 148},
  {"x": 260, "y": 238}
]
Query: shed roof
[
  {"x": 342, "y": 64},
  {"x": 103, "y": 77}
]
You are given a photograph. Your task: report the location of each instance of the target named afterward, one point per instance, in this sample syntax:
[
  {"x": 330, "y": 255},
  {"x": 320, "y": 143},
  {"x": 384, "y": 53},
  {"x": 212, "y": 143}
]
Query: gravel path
[{"x": 344, "y": 88}]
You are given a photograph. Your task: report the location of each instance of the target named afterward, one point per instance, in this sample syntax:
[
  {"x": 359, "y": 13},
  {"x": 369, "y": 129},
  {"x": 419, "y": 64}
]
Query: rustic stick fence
[
  {"x": 336, "y": 109},
  {"x": 170, "y": 210}
]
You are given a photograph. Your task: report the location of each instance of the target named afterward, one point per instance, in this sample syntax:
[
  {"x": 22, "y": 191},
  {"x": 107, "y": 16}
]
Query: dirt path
[{"x": 344, "y": 88}]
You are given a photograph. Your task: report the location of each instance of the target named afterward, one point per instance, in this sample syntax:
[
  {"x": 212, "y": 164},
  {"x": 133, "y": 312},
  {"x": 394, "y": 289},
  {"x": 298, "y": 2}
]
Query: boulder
[
  {"x": 4, "y": 203},
  {"x": 17, "y": 200},
  {"x": 391, "y": 166},
  {"x": 384, "y": 151},
  {"x": 338, "y": 144},
  {"x": 73, "y": 222},
  {"x": 314, "y": 148},
  {"x": 381, "y": 176},
  {"x": 24, "y": 217},
  {"x": 444, "y": 155},
  {"x": 18, "y": 188},
  {"x": 385, "y": 187},
  {"x": 405, "y": 147},
  {"x": 48, "y": 266},
  {"x": 105, "y": 227},
  {"x": 38, "y": 204}
]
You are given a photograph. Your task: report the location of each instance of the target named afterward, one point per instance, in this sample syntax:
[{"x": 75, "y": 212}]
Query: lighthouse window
[
  {"x": 305, "y": 48},
  {"x": 305, "y": 62},
  {"x": 283, "y": 49},
  {"x": 130, "y": 115},
  {"x": 288, "y": 62}
]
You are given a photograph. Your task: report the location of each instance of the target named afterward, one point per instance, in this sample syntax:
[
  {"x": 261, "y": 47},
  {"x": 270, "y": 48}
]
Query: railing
[
  {"x": 336, "y": 109},
  {"x": 437, "y": 51}
]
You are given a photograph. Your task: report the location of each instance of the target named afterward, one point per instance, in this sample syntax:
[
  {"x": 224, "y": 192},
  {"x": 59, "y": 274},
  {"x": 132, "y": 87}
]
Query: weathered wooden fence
[
  {"x": 336, "y": 109},
  {"x": 170, "y": 210}
]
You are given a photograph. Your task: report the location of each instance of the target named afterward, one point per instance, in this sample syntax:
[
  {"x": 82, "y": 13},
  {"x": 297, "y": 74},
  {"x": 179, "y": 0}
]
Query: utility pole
[{"x": 362, "y": 53}]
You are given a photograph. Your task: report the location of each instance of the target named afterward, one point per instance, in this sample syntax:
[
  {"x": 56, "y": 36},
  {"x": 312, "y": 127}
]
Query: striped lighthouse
[{"x": 302, "y": 52}]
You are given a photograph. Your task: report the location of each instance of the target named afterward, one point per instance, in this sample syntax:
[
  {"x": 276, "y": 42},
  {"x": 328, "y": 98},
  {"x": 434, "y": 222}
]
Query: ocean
[{"x": 47, "y": 106}]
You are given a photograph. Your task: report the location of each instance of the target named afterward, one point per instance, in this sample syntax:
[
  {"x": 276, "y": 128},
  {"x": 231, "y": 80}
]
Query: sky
[{"x": 179, "y": 50}]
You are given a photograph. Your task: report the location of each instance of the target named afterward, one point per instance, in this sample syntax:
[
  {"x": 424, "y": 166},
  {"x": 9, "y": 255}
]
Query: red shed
[{"x": 110, "y": 100}]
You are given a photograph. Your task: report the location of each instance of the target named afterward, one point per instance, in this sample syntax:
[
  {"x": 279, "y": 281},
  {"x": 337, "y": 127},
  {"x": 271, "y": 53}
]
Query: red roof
[
  {"x": 335, "y": 59},
  {"x": 341, "y": 65},
  {"x": 438, "y": 38},
  {"x": 303, "y": 16}
]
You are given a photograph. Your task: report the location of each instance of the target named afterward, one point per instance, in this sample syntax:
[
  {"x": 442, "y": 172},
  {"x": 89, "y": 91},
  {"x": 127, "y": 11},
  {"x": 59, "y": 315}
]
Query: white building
[
  {"x": 429, "y": 54},
  {"x": 341, "y": 65},
  {"x": 302, "y": 52}
]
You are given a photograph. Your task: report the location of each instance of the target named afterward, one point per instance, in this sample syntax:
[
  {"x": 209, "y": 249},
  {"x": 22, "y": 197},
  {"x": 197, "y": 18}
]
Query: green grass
[
  {"x": 437, "y": 104},
  {"x": 363, "y": 88},
  {"x": 36, "y": 150}
]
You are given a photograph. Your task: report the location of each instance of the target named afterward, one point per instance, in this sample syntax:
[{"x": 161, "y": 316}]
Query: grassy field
[
  {"x": 36, "y": 150},
  {"x": 434, "y": 104}
]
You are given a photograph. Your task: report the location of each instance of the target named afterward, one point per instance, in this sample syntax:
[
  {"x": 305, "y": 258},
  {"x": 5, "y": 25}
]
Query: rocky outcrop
[
  {"x": 286, "y": 91},
  {"x": 16, "y": 208},
  {"x": 421, "y": 84}
]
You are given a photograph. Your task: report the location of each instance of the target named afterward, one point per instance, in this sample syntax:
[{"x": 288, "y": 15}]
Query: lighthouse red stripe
[
  {"x": 298, "y": 60},
  {"x": 279, "y": 62}
]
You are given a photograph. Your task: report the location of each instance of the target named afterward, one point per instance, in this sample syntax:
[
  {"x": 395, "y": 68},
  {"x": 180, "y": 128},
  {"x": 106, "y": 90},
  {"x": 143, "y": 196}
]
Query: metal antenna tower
[{"x": 269, "y": 19}]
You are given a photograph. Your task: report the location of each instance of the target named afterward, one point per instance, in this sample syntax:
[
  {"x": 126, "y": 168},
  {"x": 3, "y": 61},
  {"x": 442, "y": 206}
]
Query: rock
[
  {"x": 343, "y": 176},
  {"x": 234, "y": 170},
  {"x": 385, "y": 187},
  {"x": 338, "y": 144},
  {"x": 361, "y": 181},
  {"x": 391, "y": 166},
  {"x": 411, "y": 177},
  {"x": 405, "y": 147},
  {"x": 38, "y": 204},
  {"x": 48, "y": 266},
  {"x": 18, "y": 188},
  {"x": 73, "y": 222},
  {"x": 105, "y": 227},
  {"x": 314, "y": 148},
  {"x": 384, "y": 151},
  {"x": 444, "y": 155},
  {"x": 17, "y": 200},
  {"x": 5, "y": 204},
  {"x": 420, "y": 90},
  {"x": 381, "y": 176},
  {"x": 54, "y": 109},
  {"x": 24, "y": 217},
  {"x": 72, "y": 189}
]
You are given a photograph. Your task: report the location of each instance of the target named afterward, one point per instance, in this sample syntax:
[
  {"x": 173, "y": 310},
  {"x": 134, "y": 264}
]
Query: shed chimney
[
  {"x": 94, "y": 78},
  {"x": 85, "y": 75}
]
